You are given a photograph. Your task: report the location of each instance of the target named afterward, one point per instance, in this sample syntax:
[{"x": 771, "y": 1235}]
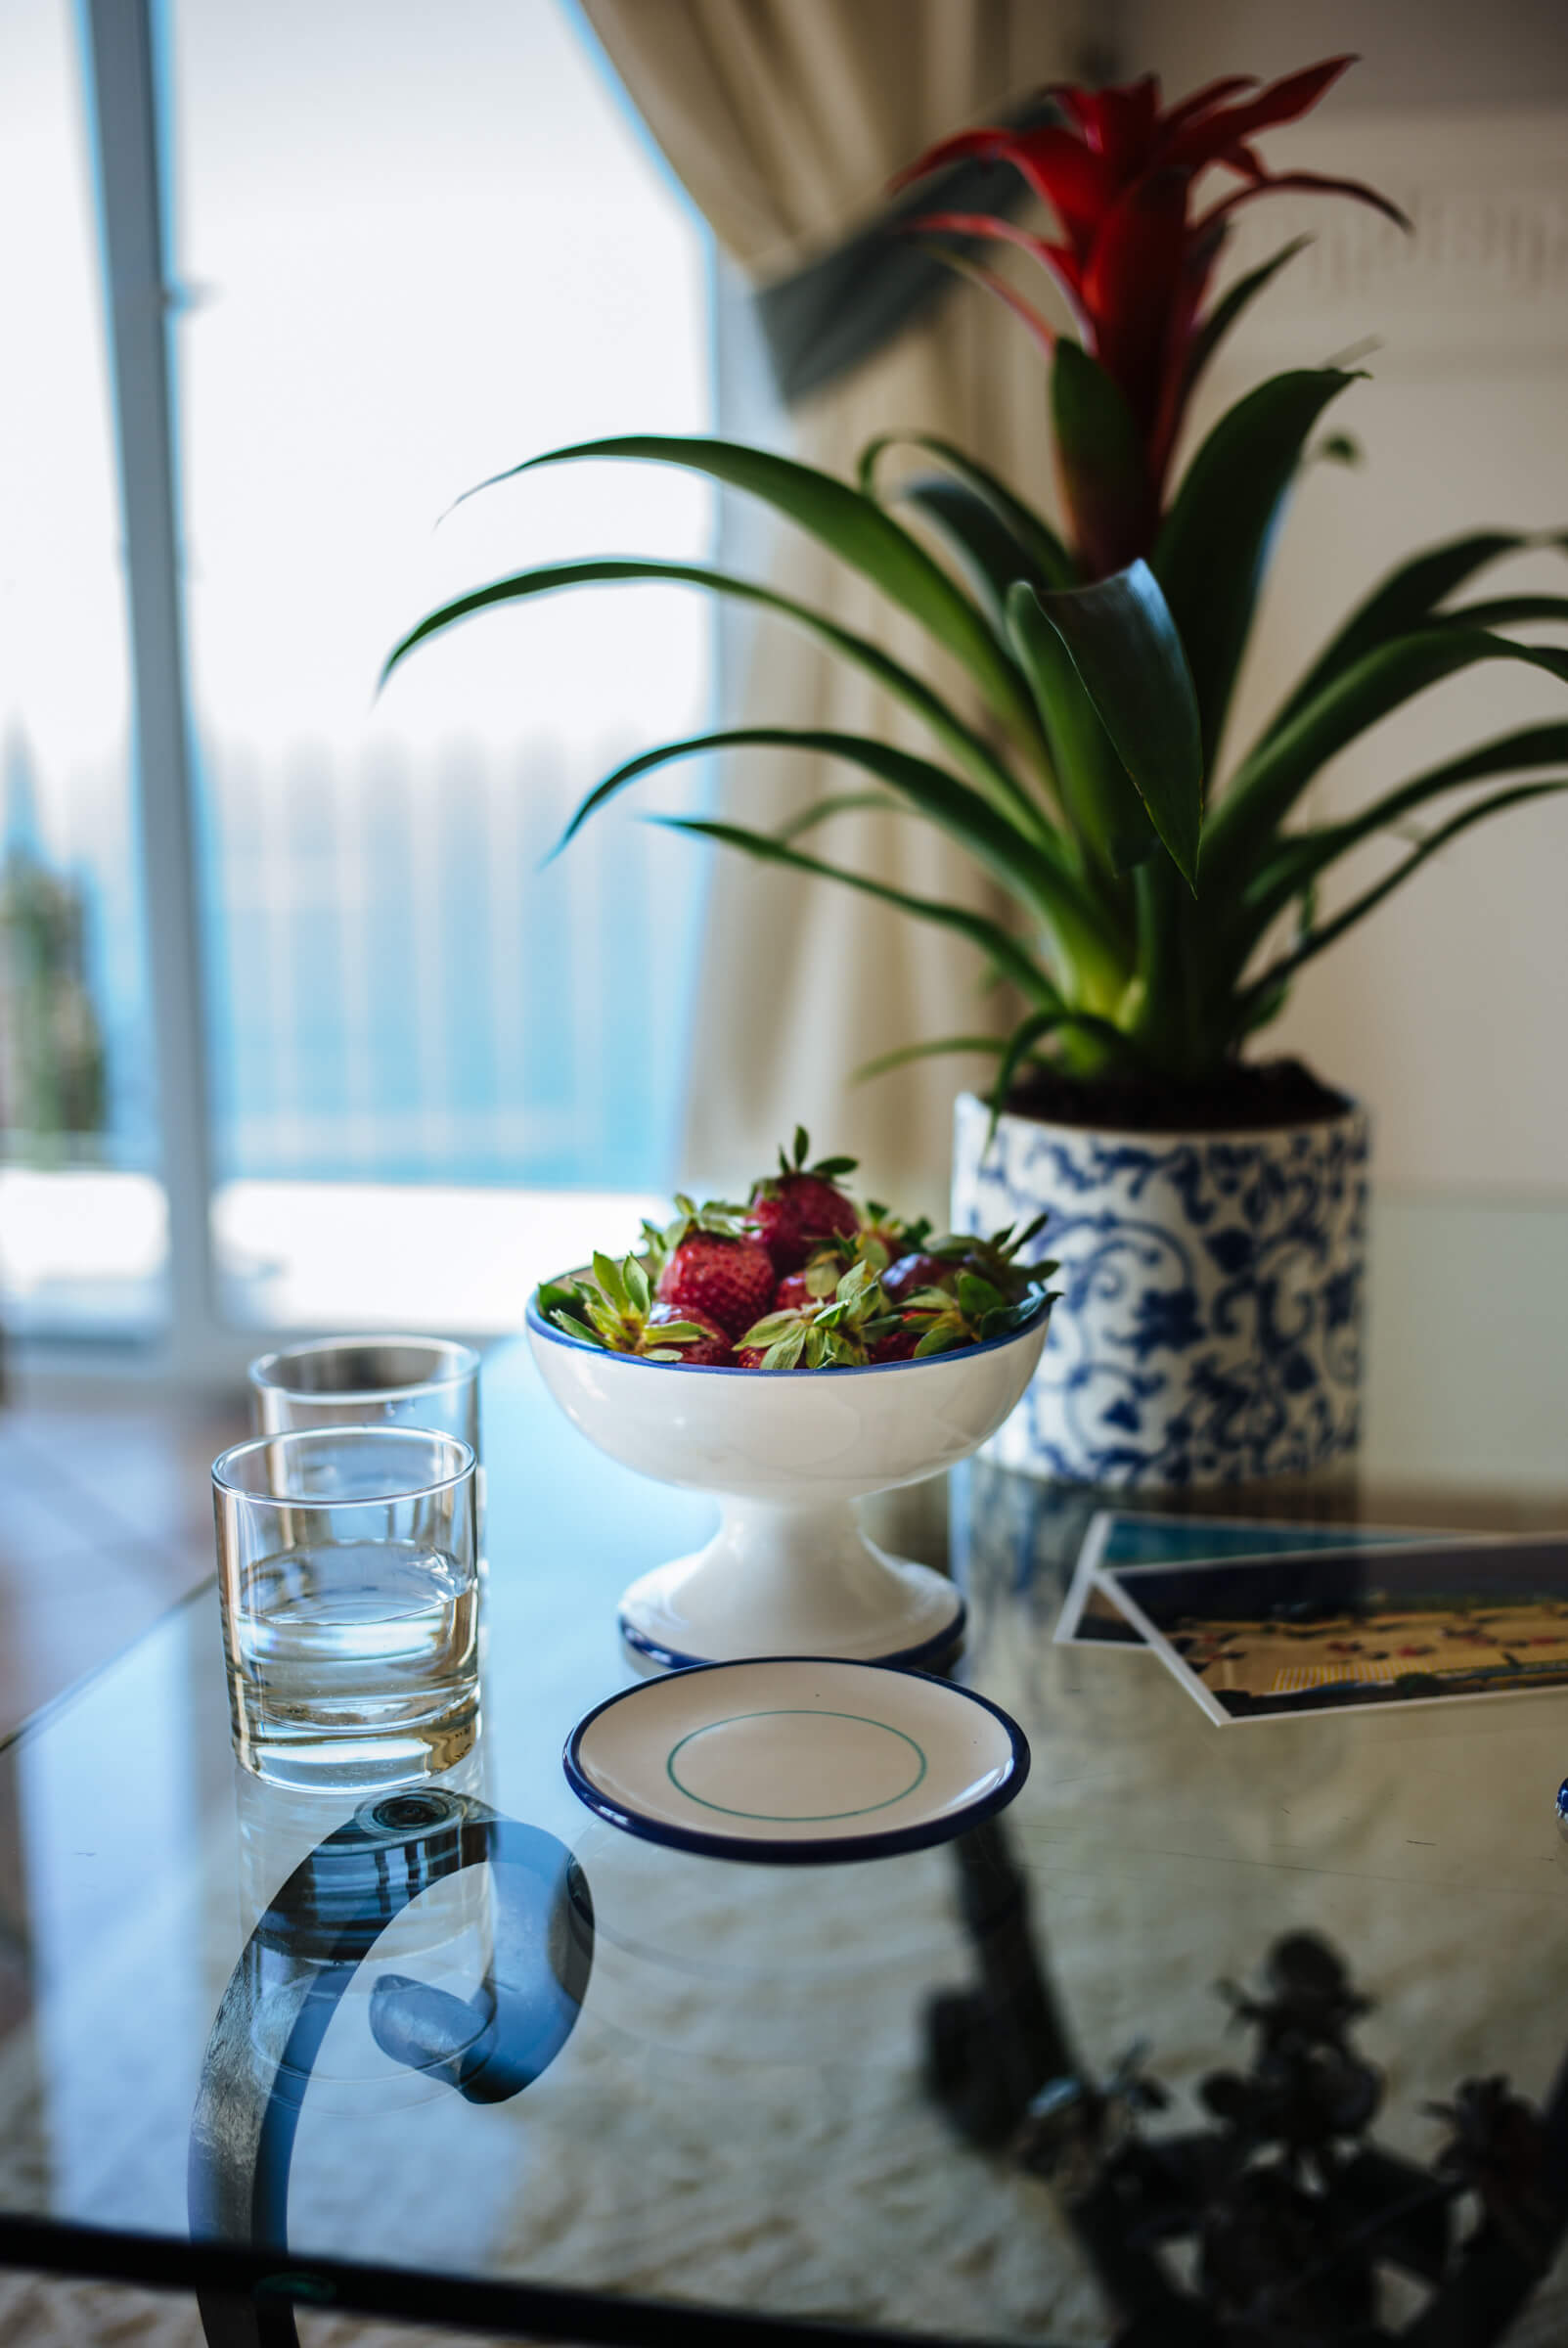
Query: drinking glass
[
  {"x": 348, "y": 1581},
  {"x": 368, "y": 1382},
  {"x": 373, "y": 1381}
]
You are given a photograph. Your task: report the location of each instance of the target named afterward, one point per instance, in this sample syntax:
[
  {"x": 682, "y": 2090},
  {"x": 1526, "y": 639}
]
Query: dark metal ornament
[{"x": 307, "y": 1949}]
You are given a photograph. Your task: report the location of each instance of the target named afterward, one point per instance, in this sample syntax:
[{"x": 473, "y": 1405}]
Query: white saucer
[{"x": 795, "y": 1760}]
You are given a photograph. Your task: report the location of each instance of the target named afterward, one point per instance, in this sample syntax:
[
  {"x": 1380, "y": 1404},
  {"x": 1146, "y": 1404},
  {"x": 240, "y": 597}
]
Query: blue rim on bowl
[
  {"x": 944, "y": 1642},
  {"x": 534, "y": 1320},
  {"x": 886, "y": 1844}
]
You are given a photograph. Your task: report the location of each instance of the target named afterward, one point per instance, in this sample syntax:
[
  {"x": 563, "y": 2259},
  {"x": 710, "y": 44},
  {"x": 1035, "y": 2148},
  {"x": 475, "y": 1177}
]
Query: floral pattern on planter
[{"x": 1210, "y": 1318}]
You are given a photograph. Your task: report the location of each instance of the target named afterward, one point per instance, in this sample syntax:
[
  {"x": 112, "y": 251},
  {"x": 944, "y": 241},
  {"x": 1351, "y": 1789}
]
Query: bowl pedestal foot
[{"x": 784, "y": 1580}]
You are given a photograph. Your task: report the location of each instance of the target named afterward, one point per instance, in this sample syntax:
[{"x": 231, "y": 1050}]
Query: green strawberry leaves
[
  {"x": 826, "y": 1169},
  {"x": 611, "y": 1311},
  {"x": 851, "y": 1314}
]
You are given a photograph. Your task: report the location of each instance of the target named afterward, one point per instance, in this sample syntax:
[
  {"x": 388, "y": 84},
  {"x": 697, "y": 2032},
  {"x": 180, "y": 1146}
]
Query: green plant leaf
[
  {"x": 973, "y": 752},
  {"x": 905, "y": 1052},
  {"x": 977, "y": 1296},
  {"x": 852, "y": 525},
  {"x": 1403, "y": 600},
  {"x": 769, "y": 1327},
  {"x": 989, "y": 554},
  {"x": 1128, "y": 654},
  {"x": 1266, "y": 786},
  {"x": 1210, "y": 553},
  {"x": 577, "y": 1328},
  {"x": 1162, "y": 1007},
  {"x": 1303, "y": 856},
  {"x": 611, "y": 1283},
  {"x": 1032, "y": 981},
  {"x": 1118, "y": 1051},
  {"x": 1020, "y": 1046},
  {"x": 1506, "y": 611},
  {"x": 1038, "y": 540},
  {"x": 1096, "y": 793},
  {"x": 1038, "y": 880},
  {"x": 1318, "y": 940},
  {"x": 842, "y": 802},
  {"x": 1099, "y": 450},
  {"x": 1229, "y": 306},
  {"x": 941, "y": 1337}
]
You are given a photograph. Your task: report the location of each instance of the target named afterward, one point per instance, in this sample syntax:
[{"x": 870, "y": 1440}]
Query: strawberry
[
  {"x": 897, "y": 1346},
  {"x": 716, "y": 1269},
  {"x": 841, "y": 1305},
  {"x": 913, "y": 1272},
  {"x": 795, "y": 1209},
  {"x": 711, "y": 1349}
]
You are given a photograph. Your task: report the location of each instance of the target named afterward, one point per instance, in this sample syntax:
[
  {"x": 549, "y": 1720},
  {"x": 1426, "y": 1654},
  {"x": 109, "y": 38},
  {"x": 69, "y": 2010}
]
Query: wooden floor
[{"x": 106, "y": 1520}]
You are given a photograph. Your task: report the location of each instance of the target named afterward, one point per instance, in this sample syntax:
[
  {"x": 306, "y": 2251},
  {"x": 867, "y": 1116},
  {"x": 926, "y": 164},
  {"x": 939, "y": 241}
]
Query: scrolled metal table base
[{"x": 318, "y": 1930}]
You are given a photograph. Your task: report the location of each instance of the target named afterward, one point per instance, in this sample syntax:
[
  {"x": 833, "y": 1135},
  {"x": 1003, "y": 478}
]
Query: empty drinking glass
[
  {"x": 373, "y": 1381},
  {"x": 348, "y": 1581},
  {"x": 366, "y": 1381}
]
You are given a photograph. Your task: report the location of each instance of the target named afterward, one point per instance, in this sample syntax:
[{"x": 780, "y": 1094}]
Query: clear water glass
[
  {"x": 348, "y": 1582},
  {"x": 373, "y": 1381},
  {"x": 369, "y": 1381}
]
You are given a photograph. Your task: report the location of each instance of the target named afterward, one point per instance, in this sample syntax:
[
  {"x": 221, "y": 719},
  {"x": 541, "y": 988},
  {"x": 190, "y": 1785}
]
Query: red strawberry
[
  {"x": 898, "y": 1347},
  {"x": 715, "y": 1277},
  {"x": 792, "y": 1295},
  {"x": 795, "y": 1209},
  {"x": 750, "y": 1357},
  {"x": 913, "y": 1272},
  {"x": 710, "y": 1351}
]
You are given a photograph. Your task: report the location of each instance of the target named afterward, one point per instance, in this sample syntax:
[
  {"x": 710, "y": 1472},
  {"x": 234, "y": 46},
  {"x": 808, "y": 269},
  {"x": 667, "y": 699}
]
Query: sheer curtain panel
[{"x": 786, "y": 119}]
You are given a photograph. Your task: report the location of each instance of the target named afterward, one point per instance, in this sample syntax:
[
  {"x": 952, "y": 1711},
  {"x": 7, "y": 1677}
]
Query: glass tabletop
[{"x": 1152, "y": 2056}]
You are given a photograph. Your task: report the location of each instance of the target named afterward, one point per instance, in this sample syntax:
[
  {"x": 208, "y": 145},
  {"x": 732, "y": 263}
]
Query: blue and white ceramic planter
[{"x": 1209, "y": 1323}]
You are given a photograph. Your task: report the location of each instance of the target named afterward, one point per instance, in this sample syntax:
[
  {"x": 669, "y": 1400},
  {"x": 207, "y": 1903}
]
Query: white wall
[
  {"x": 1448, "y": 1008},
  {"x": 1448, "y": 1011}
]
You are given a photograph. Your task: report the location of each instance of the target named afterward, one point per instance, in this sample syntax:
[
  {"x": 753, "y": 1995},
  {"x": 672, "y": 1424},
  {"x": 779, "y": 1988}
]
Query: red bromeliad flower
[{"x": 1134, "y": 257}]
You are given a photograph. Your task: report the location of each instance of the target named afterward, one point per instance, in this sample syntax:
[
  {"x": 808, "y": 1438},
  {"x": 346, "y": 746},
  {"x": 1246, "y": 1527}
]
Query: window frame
[{"x": 126, "y": 94}]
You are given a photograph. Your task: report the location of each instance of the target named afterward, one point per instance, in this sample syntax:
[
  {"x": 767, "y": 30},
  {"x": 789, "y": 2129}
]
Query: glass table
[{"x": 1151, "y": 2057}]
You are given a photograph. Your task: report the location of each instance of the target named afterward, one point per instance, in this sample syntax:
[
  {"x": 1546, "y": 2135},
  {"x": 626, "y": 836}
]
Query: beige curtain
[{"x": 786, "y": 119}]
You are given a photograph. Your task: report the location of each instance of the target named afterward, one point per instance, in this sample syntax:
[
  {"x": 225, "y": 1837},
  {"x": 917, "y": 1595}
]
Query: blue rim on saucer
[{"x": 938, "y": 1759}]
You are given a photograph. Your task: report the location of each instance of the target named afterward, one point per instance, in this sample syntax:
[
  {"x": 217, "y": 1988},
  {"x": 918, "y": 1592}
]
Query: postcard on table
[
  {"x": 1090, "y": 1615},
  {"x": 1408, "y": 1622}
]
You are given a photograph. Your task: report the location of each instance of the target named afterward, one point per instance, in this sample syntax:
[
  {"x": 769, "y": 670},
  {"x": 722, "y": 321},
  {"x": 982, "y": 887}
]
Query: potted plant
[{"x": 1207, "y": 1208}]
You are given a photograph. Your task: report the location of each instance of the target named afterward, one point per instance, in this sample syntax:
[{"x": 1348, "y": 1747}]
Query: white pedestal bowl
[{"x": 788, "y": 1453}]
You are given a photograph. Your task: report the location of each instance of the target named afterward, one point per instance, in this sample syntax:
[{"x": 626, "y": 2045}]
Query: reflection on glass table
[{"x": 1152, "y": 2056}]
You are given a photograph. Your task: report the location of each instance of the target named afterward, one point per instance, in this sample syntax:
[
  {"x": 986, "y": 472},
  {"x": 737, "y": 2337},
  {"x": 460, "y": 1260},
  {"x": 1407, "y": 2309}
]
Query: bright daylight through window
[
  {"x": 394, "y": 276},
  {"x": 82, "y": 1227}
]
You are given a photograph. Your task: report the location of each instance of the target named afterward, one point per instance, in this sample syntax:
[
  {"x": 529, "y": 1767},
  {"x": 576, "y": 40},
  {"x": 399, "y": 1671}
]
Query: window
[
  {"x": 82, "y": 1221},
  {"x": 412, "y": 246}
]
